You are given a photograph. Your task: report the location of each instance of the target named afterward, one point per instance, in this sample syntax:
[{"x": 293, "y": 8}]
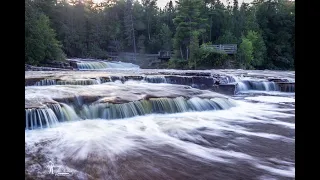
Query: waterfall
[
  {"x": 90, "y": 65},
  {"x": 46, "y": 82},
  {"x": 50, "y": 82},
  {"x": 56, "y": 108},
  {"x": 54, "y": 113},
  {"x": 80, "y": 82},
  {"x": 229, "y": 79},
  {"x": 198, "y": 104},
  {"x": 49, "y": 116},
  {"x": 69, "y": 112},
  {"x": 40, "y": 118},
  {"x": 257, "y": 85},
  {"x": 155, "y": 79},
  {"x": 153, "y": 105}
]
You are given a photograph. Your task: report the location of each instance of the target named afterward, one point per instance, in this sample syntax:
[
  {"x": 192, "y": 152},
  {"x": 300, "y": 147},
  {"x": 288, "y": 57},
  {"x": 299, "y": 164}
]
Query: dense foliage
[{"x": 263, "y": 31}]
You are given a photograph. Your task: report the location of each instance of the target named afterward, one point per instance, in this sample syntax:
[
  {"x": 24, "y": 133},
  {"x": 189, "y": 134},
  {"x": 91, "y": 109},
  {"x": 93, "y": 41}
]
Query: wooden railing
[
  {"x": 164, "y": 54},
  {"x": 226, "y": 48}
]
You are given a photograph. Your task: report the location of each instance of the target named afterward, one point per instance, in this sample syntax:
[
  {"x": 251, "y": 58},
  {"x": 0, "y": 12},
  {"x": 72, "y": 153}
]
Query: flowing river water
[{"x": 104, "y": 125}]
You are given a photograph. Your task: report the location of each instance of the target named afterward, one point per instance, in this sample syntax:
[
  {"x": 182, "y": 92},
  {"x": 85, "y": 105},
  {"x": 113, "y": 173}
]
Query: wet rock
[
  {"x": 202, "y": 82},
  {"x": 105, "y": 79},
  {"x": 198, "y": 74},
  {"x": 117, "y": 78},
  {"x": 186, "y": 73},
  {"x": 228, "y": 89},
  {"x": 136, "y": 78},
  {"x": 286, "y": 86},
  {"x": 179, "y": 80},
  {"x": 277, "y": 80},
  {"x": 73, "y": 64},
  {"x": 32, "y": 81},
  {"x": 108, "y": 93}
]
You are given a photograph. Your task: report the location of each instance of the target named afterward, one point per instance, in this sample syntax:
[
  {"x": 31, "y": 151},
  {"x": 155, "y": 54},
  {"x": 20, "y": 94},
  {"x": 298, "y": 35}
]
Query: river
[{"x": 132, "y": 123}]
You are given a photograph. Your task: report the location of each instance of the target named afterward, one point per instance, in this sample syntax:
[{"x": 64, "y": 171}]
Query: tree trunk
[
  {"x": 211, "y": 28},
  {"x": 133, "y": 36},
  {"x": 187, "y": 53},
  {"x": 181, "y": 52},
  {"x": 148, "y": 26}
]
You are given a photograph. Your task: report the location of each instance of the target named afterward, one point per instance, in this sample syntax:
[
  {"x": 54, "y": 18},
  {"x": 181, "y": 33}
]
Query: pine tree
[{"x": 188, "y": 22}]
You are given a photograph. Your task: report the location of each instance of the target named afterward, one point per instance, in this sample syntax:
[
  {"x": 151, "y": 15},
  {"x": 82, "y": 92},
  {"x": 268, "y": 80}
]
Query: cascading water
[
  {"x": 157, "y": 105},
  {"x": 80, "y": 82},
  {"x": 257, "y": 85},
  {"x": 155, "y": 79},
  {"x": 56, "y": 108},
  {"x": 229, "y": 79},
  {"x": 40, "y": 118},
  {"x": 49, "y": 116},
  {"x": 50, "y": 82},
  {"x": 46, "y": 82},
  {"x": 113, "y": 130},
  {"x": 69, "y": 112},
  {"x": 57, "y": 113},
  {"x": 92, "y": 65},
  {"x": 95, "y": 65}
]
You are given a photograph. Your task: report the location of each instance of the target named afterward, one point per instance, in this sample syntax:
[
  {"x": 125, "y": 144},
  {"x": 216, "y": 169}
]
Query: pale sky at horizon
[{"x": 162, "y": 3}]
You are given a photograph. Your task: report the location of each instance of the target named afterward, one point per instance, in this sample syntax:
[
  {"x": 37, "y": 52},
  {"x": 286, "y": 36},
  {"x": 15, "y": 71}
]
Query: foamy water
[
  {"x": 190, "y": 135},
  {"x": 255, "y": 139},
  {"x": 271, "y": 99}
]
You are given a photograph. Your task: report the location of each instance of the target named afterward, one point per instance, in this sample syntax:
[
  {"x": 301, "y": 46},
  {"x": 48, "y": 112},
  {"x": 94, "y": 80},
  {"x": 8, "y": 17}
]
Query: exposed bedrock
[
  {"x": 228, "y": 89},
  {"x": 186, "y": 73},
  {"x": 199, "y": 80},
  {"x": 46, "y": 106},
  {"x": 114, "y": 93},
  {"x": 286, "y": 86},
  {"x": 47, "y": 67}
]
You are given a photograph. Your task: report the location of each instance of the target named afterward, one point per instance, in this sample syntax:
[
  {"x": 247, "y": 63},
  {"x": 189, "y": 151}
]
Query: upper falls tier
[{"x": 38, "y": 96}]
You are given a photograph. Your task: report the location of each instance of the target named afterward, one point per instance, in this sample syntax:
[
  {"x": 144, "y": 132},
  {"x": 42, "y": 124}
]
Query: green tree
[
  {"x": 227, "y": 38},
  {"x": 194, "y": 47},
  {"x": 141, "y": 42},
  {"x": 86, "y": 29},
  {"x": 129, "y": 25},
  {"x": 150, "y": 10},
  {"x": 41, "y": 44},
  {"x": 276, "y": 20},
  {"x": 246, "y": 52},
  {"x": 188, "y": 22},
  {"x": 165, "y": 37},
  {"x": 259, "y": 48}
]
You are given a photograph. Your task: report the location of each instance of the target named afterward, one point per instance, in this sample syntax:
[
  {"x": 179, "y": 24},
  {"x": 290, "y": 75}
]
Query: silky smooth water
[{"x": 178, "y": 132}]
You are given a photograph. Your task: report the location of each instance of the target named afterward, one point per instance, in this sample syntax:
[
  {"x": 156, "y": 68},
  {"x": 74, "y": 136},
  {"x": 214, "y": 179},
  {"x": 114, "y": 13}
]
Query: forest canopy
[{"x": 263, "y": 30}]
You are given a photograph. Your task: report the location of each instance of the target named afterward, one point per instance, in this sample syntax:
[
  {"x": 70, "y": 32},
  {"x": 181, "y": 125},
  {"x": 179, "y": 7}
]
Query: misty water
[{"x": 100, "y": 125}]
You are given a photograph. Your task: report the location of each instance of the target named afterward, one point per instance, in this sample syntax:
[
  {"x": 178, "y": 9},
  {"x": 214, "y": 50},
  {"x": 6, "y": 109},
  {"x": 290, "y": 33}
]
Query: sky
[{"x": 162, "y": 3}]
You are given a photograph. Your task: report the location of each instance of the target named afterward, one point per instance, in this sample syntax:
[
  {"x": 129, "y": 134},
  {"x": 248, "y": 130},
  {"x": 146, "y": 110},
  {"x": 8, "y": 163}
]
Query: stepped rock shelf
[
  {"x": 38, "y": 96},
  {"x": 222, "y": 81},
  {"x": 54, "y": 96},
  {"x": 46, "y": 106}
]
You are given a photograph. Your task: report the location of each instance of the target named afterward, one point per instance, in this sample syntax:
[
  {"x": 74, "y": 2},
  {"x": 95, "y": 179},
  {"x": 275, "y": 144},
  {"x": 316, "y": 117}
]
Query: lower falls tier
[{"x": 52, "y": 114}]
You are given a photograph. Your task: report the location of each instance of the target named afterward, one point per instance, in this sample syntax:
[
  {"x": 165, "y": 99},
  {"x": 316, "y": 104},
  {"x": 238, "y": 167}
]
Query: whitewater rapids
[
  {"x": 201, "y": 145},
  {"x": 138, "y": 124}
]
